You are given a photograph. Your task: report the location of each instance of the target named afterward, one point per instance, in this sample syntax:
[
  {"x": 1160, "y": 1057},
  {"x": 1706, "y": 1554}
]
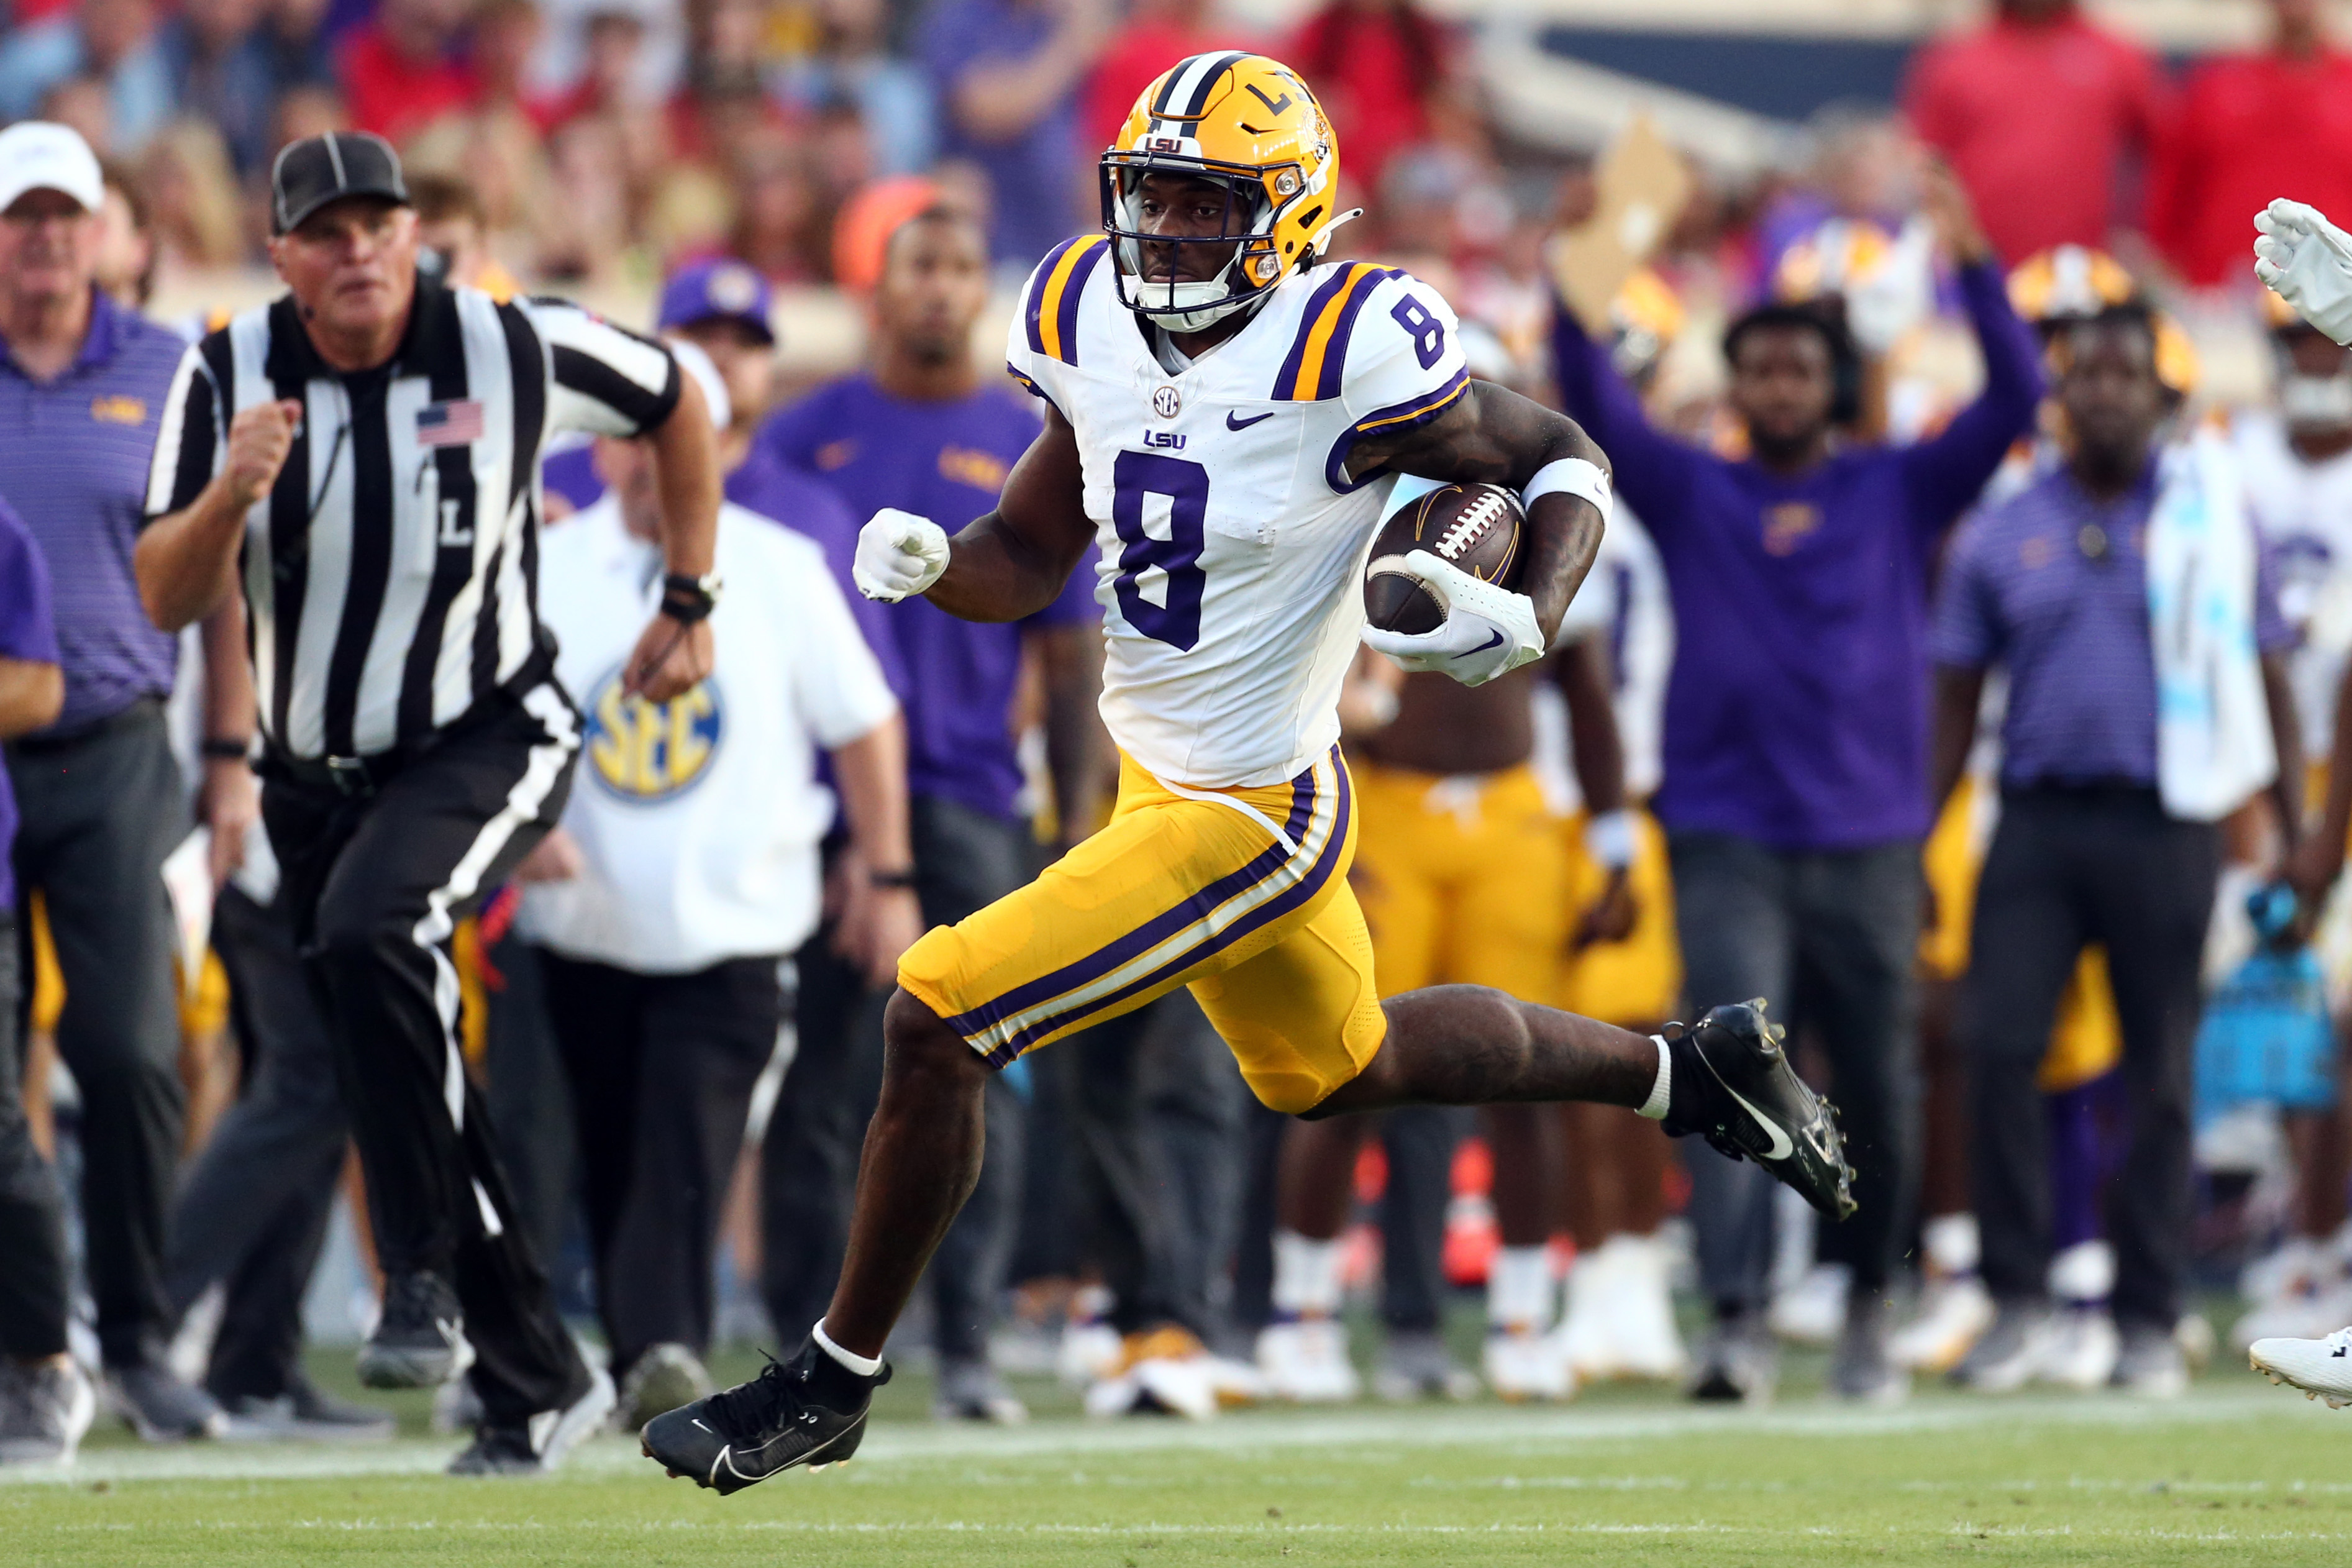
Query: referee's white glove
[
  {"x": 899, "y": 553},
  {"x": 2308, "y": 261},
  {"x": 1486, "y": 631}
]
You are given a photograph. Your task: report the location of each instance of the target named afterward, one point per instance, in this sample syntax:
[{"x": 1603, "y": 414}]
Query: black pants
[
  {"x": 661, "y": 1069},
  {"x": 374, "y": 883},
  {"x": 1830, "y": 939},
  {"x": 99, "y": 812},
  {"x": 33, "y": 1283},
  {"x": 963, "y": 860},
  {"x": 2068, "y": 869},
  {"x": 253, "y": 1208}
]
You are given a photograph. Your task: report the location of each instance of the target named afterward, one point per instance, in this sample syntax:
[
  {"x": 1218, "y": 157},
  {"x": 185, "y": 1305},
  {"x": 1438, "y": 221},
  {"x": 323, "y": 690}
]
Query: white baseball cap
[{"x": 41, "y": 155}]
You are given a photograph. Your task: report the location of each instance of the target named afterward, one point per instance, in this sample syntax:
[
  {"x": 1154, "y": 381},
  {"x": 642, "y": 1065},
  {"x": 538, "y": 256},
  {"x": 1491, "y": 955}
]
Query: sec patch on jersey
[{"x": 1476, "y": 527}]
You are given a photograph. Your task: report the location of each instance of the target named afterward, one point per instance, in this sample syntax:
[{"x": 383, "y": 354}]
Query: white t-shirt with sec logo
[{"x": 699, "y": 818}]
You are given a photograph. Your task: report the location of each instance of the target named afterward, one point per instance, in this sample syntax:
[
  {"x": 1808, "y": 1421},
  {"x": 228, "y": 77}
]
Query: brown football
[{"x": 1477, "y": 527}]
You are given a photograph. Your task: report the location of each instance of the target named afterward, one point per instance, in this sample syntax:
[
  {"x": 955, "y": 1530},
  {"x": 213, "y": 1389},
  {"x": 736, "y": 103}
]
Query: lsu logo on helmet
[
  {"x": 643, "y": 753},
  {"x": 1248, "y": 124}
]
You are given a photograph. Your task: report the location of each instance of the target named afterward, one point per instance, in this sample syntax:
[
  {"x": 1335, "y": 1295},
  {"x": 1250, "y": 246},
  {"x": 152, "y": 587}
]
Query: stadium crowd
[{"x": 1872, "y": 707}]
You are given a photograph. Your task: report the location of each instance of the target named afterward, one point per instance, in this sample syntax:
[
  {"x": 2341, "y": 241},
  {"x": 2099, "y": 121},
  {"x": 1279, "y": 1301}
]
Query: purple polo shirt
[
  {"x": 27, "y": 632},
  {"x": 73, "y": 462},
  {"x": 2071, "y": 631},
  {"x": 1797, "y": 714},
  {"x": 946, "y": 461}
]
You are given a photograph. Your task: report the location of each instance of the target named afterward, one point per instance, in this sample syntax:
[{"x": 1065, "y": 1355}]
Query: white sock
[
  {"x": 1952, "y": 1243},
  {"x": 1654, "y": 1107},
  {"x": 1519, "y": 1288},
  {"x": 1305, "y": 1275},
  {"x": 862, "y": 1365}
]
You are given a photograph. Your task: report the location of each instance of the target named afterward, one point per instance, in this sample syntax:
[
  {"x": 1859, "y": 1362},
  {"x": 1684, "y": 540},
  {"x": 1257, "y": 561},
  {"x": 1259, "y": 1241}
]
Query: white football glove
[
  {"x": 1486, "y": 631},
  {"x": 899, "y": 553},
  {"x": 2308, "y": 261}
]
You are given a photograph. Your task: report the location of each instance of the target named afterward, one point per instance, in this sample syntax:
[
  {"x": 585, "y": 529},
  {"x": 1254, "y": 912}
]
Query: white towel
[{"x": 2213, "y": 743}]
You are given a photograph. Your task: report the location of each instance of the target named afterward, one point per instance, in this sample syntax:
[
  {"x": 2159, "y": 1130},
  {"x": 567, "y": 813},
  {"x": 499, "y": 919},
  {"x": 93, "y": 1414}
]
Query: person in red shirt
[
  {"x": 400, "y": 72},
  {"x": 2041, "y": 113},
  {"x": 1156, "y": 35},
  {"x": 2254, "y": 126},
  {"x": 1379, "y": 68}
]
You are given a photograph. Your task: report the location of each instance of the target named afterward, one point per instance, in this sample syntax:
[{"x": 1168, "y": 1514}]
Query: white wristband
[
  {"x": 1662, "y": 1090},
  {"x": 1575, "y": 477},
  {"x": 1611, "y": 839}
]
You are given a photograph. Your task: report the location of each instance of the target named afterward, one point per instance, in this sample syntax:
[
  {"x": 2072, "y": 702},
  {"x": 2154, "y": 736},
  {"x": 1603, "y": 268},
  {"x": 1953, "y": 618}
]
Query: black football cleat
[
  {"x": 420, "y": 1340},
  {"x": 1733, "y": 1085},
  {"x": 809, "y": 1410}
]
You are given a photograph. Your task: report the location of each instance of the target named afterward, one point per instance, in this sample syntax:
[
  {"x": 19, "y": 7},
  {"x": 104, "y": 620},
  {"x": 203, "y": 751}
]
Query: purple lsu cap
[{"x": 716, "y": 290}]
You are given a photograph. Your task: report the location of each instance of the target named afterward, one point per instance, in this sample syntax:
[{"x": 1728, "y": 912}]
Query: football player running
[{"x": 1225, "y": 411}]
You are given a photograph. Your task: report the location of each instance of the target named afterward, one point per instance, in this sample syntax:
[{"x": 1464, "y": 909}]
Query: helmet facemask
[{"x": 1177, "y": 302}]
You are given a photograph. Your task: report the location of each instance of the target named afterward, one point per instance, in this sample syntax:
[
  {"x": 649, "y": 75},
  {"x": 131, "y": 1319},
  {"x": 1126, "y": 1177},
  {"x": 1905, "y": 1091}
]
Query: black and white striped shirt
[{"x": 391, "y": 577}]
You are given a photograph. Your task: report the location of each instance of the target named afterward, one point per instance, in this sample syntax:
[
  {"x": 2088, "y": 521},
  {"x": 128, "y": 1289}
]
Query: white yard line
[{"x": 1257, "y": 1432}]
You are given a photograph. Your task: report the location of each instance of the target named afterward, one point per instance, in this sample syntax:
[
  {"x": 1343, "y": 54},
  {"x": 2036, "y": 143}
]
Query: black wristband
[
  {"x": 905, "y": 878},
  {"x": 687, "y": 600},
  {"x": 226, "y": 749}
]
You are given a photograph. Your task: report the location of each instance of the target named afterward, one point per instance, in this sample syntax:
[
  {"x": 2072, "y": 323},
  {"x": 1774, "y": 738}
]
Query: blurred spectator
[
  {"x": 82, "y": 389},
  {"x": 722, "y": 308},
  {"x": 224, "y": 71},
  {"x": 684, "y": 873},
  {"x": 400, "y": 70},
  {"x": 112, "y": 40},
  {"x": 192, "y": 189},
  {"x": 1155, "y": 36},
  {"x": 1794, "y": 795},
  {"x": 724, "y": 105},
  {"x": 2041, "y": 112},
  {"x": 493, "y": 143},
  {"x": 780, "y": 218},
  {"x": 2109, "y": 824},
  {"x": 2252, "y": 127},
  {"x": 127, "y": 252},
  {"x": 46, "y": 1402},
  {"x": 1007, "y": 74},
  {"x": 452, "y": 223},
  {"x": 309, "y": 111},
  {"x": 1865, "y": 167},
  {"x": 588, "y": 232},
  {"x": 613, "y": 38},
  {"x": 1379, "y": 67},
  {"x": 84, "y": 103},
  {"x": 852, "y": 68}
]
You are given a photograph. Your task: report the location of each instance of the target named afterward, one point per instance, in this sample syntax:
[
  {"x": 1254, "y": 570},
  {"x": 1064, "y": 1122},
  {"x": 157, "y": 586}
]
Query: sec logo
[
  {"x": 1166, "y": 403},
  {"x": 643, "y": 751}
]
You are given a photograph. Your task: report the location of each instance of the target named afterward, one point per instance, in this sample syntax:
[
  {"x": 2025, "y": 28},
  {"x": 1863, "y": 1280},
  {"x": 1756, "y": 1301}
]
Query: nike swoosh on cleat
[
  {"x": 1235, "y": 422},
  {"x": 1496, "y": 641},
  {"x": 1782, "y": 1148}
]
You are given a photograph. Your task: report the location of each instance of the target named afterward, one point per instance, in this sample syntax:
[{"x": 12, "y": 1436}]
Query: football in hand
[{"x": 1476, "y": 528}]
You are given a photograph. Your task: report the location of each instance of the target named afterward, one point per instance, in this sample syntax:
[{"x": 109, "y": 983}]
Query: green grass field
[{"x": 2240, "y": 1473}]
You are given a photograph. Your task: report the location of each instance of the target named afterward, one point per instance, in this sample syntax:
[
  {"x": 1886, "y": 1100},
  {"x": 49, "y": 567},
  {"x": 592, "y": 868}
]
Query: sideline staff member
[{"x": 364, "y": 451}]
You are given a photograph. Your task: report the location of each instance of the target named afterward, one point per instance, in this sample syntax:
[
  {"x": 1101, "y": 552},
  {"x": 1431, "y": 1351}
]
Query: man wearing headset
[{"x": 1794, "y": 795}]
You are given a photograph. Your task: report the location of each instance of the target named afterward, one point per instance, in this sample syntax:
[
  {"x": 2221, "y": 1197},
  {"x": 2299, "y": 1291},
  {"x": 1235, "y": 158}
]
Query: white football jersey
[
  {"x": 1233, "y": 541},
  {"x": 2304, "y": 512}
]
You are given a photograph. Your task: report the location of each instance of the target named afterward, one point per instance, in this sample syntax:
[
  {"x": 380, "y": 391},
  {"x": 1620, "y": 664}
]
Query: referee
[{"x": 362, "y": 457}]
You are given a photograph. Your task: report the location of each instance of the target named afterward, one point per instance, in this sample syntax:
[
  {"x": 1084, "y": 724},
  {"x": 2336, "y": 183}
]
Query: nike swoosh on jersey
[
  {"x": 1233, "y": 421},
  {"x": 1782, "y": 1148}
]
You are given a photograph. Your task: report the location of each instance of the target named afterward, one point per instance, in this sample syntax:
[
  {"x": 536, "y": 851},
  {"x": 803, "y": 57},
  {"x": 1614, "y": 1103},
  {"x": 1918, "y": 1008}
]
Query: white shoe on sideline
[
  {"x": 1305, "y": 1359},
  {"x": 1648, "y": 1341},
  {"x": 1953, "y": 1311},
  {"x": 1812, "y": 1310},
  {"x": 2081, "y": 1350},
  {"x": 1587, "y": 1337},
  {"x": 1523, "y": 1362}
]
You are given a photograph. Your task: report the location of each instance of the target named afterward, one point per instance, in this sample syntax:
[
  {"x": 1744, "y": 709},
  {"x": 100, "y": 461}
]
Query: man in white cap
[{"x": 83, "y": 383}]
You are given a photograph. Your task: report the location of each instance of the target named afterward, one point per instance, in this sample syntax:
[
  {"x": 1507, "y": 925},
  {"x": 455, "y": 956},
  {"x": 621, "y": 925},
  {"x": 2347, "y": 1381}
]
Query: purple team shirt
[
  {"x": 27, "y": 632},
  {"x": 1797, "y": 713},
  {"x": 73, "y": 462},
  {"x": 2071, "y": 629},
  {"x": 946, "y": 461}
]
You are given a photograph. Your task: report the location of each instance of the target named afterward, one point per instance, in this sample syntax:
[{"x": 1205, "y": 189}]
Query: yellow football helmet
[
  {"x": 1249, "y": 124},
  {"x": 2068, "y": 280}
]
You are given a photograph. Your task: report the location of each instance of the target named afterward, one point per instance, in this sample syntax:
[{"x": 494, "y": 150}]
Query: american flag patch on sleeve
[{"x": 449, "y": 424}]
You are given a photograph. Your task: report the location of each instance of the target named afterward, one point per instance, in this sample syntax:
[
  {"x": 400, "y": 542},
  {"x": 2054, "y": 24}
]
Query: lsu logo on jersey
[{"x": 644, "y": 752}]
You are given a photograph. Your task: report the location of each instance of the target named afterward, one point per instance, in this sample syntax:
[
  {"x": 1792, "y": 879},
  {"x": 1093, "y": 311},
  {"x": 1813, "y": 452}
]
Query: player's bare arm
[
  {"x": 1494, "y": 436},
  {"x": 1005, "y": 565}
]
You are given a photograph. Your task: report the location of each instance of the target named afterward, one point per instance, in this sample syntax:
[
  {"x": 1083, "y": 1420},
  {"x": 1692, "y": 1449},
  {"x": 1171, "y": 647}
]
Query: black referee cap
[{"x": 321, "y": 169}]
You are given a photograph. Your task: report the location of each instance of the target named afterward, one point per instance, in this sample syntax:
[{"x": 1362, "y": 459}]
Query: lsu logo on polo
[
  {"x": 644, "y": 752},
  {"x": 118, "y": 410}
]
